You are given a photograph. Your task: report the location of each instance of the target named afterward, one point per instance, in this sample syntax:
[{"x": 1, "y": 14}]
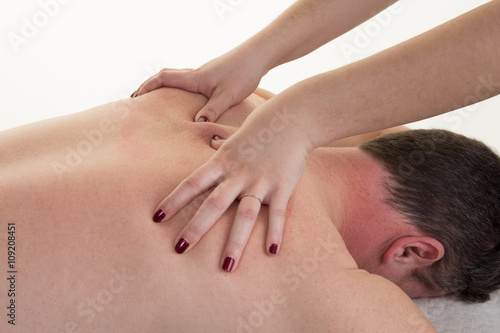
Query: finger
[
  {"x": 246, "y": 215},
  {"x": 277, "y": 215},
  {"x": 218, "y": 103},
  {"x": 223, "y": 132},
  {"x": 198, "y": 182},
  {"x": 177, "y": 78},
  {"x": 216, "y": 142},
  {"x": 150, "y": 84},
  {"x": 207, "y": 215}
]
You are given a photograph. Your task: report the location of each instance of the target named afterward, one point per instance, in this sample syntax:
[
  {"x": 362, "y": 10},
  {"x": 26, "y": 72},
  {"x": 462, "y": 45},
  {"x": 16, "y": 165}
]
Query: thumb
[
  {"x": 216, "y": 105},
  {"x": 167, "y": 77},
  {"x": 216, "y": 142}
]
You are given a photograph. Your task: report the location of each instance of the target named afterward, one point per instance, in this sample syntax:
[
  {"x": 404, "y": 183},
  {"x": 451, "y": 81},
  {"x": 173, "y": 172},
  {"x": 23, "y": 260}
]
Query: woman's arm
[
  {"x": 230, "y": 78},
  {"x": 356, "y": 140},
  {"x": 448, "y": 67},
  {"x": 436, "y": 72},
  {"x": 307, "y": 25}
]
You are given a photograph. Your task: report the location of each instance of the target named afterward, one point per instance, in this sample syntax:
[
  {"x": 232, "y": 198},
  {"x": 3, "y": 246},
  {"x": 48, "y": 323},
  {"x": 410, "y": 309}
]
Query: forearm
[
  {"x": 356, "y": 140},
  {"x": 307, "y": 25},
  {"x": 451, "y": 66}
]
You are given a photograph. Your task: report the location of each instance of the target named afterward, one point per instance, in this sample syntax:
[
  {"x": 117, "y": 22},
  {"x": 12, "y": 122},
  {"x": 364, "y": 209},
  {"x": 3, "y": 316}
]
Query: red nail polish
[
  {"x": 228, "y": 264},
  {"x": 181, "y": 246},
  {"x": 203, "y": 119},
  {"x": 273, "y": 249},
  {"x": 159, "y": 215}
]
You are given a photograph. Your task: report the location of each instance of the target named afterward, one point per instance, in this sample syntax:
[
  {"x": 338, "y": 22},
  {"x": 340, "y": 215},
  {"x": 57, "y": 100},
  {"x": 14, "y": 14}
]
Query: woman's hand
[
  {"x": 225, "y": 81},
  {"x": 260, "y": 164}
]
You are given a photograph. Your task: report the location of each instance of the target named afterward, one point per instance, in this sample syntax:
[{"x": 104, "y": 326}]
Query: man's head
[{"x": 448, "y": 187}]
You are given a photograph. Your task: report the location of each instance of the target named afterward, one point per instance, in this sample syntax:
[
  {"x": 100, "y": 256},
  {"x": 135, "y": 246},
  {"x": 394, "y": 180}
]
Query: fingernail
[
  {"x": 132, "y": 96},
  {"x": 159, "y": 215},
  {"x": 273, "y": 249},
  {"x": 181, "y": 246},
  {"x": 228, "y": 264},
  {"x": 216, "y": 137},
  {"x": 203, "y": 119}
]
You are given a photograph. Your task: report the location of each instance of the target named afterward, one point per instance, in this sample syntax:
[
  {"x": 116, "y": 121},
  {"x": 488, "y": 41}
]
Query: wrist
[
  {"x": 264, "y": 50},
  {"x": 285, "y": 115}
]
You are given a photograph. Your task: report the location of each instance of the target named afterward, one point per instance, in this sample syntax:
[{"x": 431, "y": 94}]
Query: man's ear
[{"x": 418, "y": 250}]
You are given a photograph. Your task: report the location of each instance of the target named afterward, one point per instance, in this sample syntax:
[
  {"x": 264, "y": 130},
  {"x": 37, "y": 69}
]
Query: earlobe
[{"x": 421, "y": 250}]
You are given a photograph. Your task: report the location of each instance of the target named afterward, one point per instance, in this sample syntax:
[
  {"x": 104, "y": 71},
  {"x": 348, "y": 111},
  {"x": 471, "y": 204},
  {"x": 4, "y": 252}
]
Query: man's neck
[{"x": 351, "y": 185}]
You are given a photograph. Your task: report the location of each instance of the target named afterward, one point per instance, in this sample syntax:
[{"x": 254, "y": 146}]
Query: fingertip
[
  {"x": 228, "y": 264},
  {"x": 277, "y": 217},
  {"x": 208, "y": 113},
  {"x": 159, "y": 216},
  {"x": 273, "y": 249},
  {"x": 216, "y": 142},
  {"x": 203, "y": 116},
  {"x": 202, "y": 119},
  {"x": 181, "y": 245}
]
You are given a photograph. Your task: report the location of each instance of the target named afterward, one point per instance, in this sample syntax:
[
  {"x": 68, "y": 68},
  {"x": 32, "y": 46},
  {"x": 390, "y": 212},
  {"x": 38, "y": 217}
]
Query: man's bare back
[{"x": 81, "y": 191}]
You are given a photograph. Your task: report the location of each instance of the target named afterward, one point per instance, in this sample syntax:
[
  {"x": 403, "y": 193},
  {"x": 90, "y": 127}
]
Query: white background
[{"x": 84, "y": 53}]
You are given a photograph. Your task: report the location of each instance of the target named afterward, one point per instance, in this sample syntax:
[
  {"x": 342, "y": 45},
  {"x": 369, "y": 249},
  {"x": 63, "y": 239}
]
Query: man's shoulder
[{"x": 355, "y": 300}]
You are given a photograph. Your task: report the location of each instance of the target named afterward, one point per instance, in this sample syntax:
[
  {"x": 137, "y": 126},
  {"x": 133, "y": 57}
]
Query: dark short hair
[{"x": 448, "y": 186}]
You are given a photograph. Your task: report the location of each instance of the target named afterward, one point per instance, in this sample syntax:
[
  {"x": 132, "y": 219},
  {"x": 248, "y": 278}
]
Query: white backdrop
[{"x": 62, "y": 56}]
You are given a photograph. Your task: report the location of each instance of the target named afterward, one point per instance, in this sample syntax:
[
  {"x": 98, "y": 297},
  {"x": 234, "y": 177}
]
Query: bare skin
[
  {"x": 89, "y": 259},
  {"x": 433, "y": 73}
]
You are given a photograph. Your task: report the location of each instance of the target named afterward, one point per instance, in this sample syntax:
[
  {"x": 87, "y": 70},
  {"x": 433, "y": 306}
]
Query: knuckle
[
  {"x": 162, "y": 74},
  {"x": 248, "y": 214},
  {"x": 236, "y": 247},
  {"x": 210, "y": 111},
  {"x": 216, "y": 201},
  {"x": 285, "y": 182},
  {"x": 205, "y": 84},
  {"x": 194, "y": 182},
  {"x": 231, "y": 97},
  {"x": 164, "y": 71},
  {"x": 194, "y": 231},
  {"x": 280, "y": 213}
]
